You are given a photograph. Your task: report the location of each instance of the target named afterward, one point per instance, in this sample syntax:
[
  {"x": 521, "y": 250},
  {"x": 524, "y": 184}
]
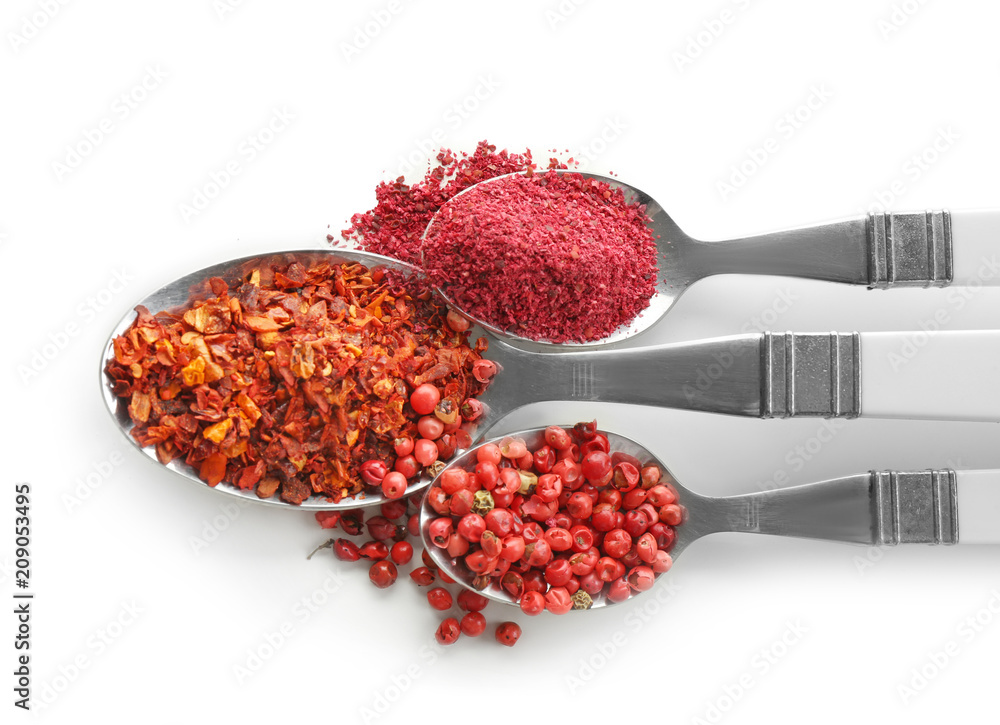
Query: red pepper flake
[
  {"x": 289, "y": 381},
  {"x": 556, "y": 256}
]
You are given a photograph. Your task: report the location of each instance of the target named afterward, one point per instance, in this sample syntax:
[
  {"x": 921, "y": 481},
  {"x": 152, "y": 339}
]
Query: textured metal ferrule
[
  {"x": 914, "y": 507},
  {"x": 911, "y": 249},
  {"x": 811, "y": 374}
]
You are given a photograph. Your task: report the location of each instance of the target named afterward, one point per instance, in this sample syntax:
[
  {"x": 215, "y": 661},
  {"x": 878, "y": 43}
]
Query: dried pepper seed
[
  {"x": 375, "y": 550},
  {"x": 401, "y": 552},
  {"x": 473, "y": 624},
  {"x": 422, "y": 576},
  {"x": 327, "y": 519},
  {"x": 439, "y": 598},
  {"x": 424, "y": 398},
  {"x": 293, "y": 382},
  {"x": 507, "y": 633},
  {"x": 383, "y": 574},
  {"x": 346, "y": 550},
  {"x": 393, "y": 485},
  {"x": 471, "y": 601},
  {"x": 393, "y": 510},
  {"x": 532, "y": 603},
  {"x": 448, "y": 631}
]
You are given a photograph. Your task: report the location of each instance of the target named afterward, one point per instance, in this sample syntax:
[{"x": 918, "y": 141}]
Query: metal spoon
[
  {"x": 880, "y": 250},
  {"x": 874, "y": 508},
  {"x": 758, "y": 375}
]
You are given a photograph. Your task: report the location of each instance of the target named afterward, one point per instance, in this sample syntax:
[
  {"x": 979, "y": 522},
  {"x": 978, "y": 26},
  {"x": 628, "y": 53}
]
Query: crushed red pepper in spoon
[{"x": 298, "y": 381}]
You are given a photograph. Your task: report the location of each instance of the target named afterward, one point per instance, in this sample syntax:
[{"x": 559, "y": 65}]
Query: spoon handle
[
  {"x": 759, "y": 375},
  {"x": 881, "y": 250},
  {"x": 876, "y": 508},
  {"x": 937, "y": 375},
  {"x": 943, "y": 375}
]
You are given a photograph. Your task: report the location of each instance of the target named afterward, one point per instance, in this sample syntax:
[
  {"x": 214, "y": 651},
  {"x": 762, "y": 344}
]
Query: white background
[{"x": 162, "y": 589}]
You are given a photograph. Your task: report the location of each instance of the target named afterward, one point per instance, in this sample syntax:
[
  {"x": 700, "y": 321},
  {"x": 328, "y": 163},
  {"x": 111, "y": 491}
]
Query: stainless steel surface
[
  {"x": 812, "y": 374},
  {"x": 910, "y": 249},
  {"x": 879, "y": 507},
  {"x": 881, "y": 250},
  {"x": 915, "y": 507},
  {"x": 799, "y": 374}
]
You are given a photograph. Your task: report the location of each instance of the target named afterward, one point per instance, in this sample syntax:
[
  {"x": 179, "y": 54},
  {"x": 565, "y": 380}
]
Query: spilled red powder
[
  {"x": 545, "y": 256},
  {"x": 397, "y": 223},
  {"x": 549, "y": 256}
]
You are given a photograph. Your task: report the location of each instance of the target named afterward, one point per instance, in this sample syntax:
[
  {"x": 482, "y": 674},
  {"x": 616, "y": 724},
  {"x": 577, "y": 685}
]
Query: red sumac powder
[
  {"x": 402, "y": 211},
  {"x": 548, "y": 256}
]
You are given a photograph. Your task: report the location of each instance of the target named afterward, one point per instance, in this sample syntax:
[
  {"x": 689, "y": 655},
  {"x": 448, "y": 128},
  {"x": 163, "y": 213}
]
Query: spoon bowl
[
  {"x": 534, "y": 438},
  {"x": 673, "y": 277},
  {"x": 182, "y": 292}
]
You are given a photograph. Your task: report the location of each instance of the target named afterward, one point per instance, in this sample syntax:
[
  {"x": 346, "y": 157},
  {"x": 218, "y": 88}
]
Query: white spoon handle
[
  {"x": 976, "y": 247},
  {"x": 946, "y": 375},
  {"x": 978, "y": 507}
]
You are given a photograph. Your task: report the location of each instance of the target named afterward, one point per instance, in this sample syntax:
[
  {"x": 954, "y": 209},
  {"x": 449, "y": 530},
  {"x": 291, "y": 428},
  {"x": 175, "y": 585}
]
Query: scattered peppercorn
[{"x": 508, "y": 633}]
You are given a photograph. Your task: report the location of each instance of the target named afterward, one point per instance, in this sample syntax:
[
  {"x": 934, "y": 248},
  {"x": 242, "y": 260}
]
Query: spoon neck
[
  {"x": 875, "y": 508},
  {"x": 835, "y": 252}
]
